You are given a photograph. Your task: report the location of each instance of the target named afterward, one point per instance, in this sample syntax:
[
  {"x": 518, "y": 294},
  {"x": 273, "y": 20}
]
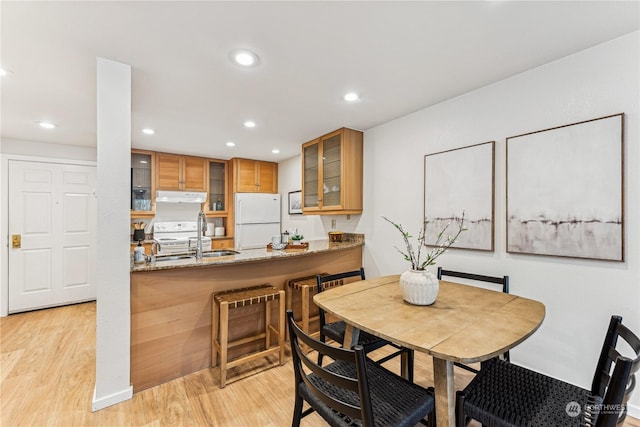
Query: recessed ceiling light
[
  {"x": 148, "y": 131},
  {"x": 46, "y": 125},
  {"x": 250, "y": 124},
  {"x": 244, "y": 57},
  {"x": 351, "y": 97},
  {"x": 275, "y": 151},
  {"x": 3, "y": 72},
  {"x": 230, "y": 144}
]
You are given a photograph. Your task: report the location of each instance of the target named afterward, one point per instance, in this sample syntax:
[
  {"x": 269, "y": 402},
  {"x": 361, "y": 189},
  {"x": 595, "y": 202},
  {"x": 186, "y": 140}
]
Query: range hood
[{"x": 181, "y": 196}]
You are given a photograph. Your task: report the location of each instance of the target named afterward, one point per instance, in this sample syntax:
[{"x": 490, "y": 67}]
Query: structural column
[{"x": 113, "y": 318}]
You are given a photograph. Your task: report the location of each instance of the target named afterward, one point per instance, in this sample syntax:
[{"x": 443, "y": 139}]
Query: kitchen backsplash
[{"x": 176, "y": 212}]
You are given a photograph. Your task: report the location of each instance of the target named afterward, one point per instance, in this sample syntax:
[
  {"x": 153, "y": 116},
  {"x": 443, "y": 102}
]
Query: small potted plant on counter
[{"x": 297, "y": 238}]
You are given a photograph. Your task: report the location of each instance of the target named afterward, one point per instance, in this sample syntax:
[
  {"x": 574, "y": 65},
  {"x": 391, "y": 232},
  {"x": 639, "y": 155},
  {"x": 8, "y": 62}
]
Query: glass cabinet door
[
  {"x": 217, "y": 186},
  {"x": 310, "y": 160},
  {"x": 141, "y": 191},
  {"x": 331, "y": 167},
  {"x": 332, "y": 173}
]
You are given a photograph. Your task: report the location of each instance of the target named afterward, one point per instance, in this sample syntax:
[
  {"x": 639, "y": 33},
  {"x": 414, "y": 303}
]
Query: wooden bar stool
[
  {"x": 222, "y": 302},
  {"x": 306, "y": 286}
]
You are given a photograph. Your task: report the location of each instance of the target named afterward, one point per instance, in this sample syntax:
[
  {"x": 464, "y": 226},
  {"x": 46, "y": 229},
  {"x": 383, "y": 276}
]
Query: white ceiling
[{"x": 400, "y": 56}]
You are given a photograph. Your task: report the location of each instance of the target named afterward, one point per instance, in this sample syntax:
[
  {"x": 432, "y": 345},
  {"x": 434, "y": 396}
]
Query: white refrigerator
[{"x": 257, "y": 219}]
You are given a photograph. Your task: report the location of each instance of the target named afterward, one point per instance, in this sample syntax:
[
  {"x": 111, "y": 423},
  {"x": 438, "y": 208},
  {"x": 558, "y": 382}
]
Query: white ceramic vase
[{"x": 419, "y": 287}]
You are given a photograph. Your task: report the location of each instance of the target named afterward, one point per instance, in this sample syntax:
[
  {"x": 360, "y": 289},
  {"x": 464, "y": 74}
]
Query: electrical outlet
[
  {"x": 333, "y": 224},
  {"x": 348, "y": 217}
]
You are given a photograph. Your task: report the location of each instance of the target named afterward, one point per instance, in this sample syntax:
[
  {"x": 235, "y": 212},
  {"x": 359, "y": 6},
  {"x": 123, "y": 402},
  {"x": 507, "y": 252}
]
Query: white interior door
[{"x": 52, "y": 208}]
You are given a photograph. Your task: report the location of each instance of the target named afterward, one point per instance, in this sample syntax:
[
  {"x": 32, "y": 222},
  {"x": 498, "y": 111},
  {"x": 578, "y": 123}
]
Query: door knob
[{"x": 16, "y": 241}]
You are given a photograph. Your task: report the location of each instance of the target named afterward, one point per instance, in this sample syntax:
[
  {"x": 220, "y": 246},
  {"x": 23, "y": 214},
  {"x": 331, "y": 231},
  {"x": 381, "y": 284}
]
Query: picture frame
[
  {"x": 565, "y": 190},
  {"x": 456, "y": 181},
  {"x": 295, "y": 202}
]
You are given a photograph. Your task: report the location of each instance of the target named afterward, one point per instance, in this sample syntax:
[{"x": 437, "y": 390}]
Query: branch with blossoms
[{"x": 439, "y": 247}]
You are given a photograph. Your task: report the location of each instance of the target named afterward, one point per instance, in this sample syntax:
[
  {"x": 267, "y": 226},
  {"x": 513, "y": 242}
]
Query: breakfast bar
[{"x": 171, "y": 302}]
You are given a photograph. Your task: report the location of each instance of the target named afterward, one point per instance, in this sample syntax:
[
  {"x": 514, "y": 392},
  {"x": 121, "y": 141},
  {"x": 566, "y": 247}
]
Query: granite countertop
[{"x": 254, "y": 255}]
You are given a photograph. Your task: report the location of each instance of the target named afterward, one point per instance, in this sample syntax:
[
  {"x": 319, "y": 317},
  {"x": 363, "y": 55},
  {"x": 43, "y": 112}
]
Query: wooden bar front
[{"x": 171, "y": 310}]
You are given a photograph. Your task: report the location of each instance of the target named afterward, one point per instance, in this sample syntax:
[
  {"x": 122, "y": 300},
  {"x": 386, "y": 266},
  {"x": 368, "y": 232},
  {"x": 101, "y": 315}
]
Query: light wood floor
[{"x": 47, "y": 379}]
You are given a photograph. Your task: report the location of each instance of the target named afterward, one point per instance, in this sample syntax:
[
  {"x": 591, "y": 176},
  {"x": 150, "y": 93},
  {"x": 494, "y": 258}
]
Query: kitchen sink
[
  {"x": 219, "y": 253},
  {"x": 174, "y": 257},
  {"x": 211, "y": 254}
]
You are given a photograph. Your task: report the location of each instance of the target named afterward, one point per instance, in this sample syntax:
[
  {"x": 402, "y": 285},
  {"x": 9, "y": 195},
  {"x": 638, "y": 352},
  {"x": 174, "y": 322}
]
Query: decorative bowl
[{"x": 278, "y": 245}]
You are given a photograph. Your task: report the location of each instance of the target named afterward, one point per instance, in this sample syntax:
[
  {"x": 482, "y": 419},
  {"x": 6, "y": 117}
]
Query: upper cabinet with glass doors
[
  {"x": 217, "y": 198},
  {"x": 332, "y": 173},
  {"x": 142, "y": 184}
]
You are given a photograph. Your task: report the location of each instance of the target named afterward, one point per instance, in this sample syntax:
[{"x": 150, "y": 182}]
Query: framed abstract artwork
[
  {"x": 565, "y": 190},
  {"x": 457, "y": 181},
  {"x": 295, "y": 202}
]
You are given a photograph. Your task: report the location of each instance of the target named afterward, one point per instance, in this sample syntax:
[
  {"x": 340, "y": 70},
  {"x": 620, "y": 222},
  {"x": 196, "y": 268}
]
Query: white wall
[
  {"x": 47, "y": 149},
  {"x": 290, "y": 179},
  {"x": 113, "y": 317},
  {"x": 579, "y": 295},
  {"x": 4, "y": 217}
]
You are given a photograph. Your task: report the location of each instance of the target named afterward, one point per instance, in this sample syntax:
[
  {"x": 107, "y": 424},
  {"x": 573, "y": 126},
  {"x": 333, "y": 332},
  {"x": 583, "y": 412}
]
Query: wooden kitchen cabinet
[
  {"x": 218, "y": 188},
  {"x": 219, "y": 205},
  {"x": 142, "y": 184},
  {"x": 176, "y": 172},
  {"x": 254, "y": 176},
  {"x": 217, "y": 243},
  {"x": 332, "y": 173},
  {"x": 145, "y": 245}
]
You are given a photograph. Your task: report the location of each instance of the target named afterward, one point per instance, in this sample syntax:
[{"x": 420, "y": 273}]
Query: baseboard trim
[
  {"x": 633, "y": 411},
  {"x": 110, "y": 400}
]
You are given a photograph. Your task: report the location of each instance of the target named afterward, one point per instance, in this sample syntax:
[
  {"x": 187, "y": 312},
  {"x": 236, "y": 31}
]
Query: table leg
[
  {"x": 445, "y": 392},
  {"x": 351, "y": 336},
  {"x": 404, "y": 365}
]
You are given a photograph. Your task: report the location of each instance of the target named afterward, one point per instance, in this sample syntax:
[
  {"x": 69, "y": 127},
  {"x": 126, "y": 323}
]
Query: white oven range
[{"x": 178, "y": 237}]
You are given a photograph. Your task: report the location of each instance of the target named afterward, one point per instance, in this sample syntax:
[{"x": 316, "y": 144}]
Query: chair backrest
[
  {"x": 615, "y": 387},
  {"x": 330, "y": 280},
  {"x": 337, "y": 279},
  {"x": 350, "y": 395},
  {"x": 503, "y": 281}
]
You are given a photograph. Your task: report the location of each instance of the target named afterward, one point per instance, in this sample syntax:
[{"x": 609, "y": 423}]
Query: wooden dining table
[{"x": 466, "y": 324}]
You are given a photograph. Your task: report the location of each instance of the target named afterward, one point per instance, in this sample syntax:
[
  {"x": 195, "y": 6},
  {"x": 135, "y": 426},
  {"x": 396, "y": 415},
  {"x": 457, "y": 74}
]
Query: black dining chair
[
  {"x": 352, "y": 390},
  {"x": 504, "y": 286},
  {"x": 336, "y": 330},
  {"x": 507, "y": 394}
]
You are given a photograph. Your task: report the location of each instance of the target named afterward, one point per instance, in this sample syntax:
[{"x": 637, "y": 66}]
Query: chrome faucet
[
  {"x": 202, "y": 227},
  {"x": 155, "y": 248}
]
